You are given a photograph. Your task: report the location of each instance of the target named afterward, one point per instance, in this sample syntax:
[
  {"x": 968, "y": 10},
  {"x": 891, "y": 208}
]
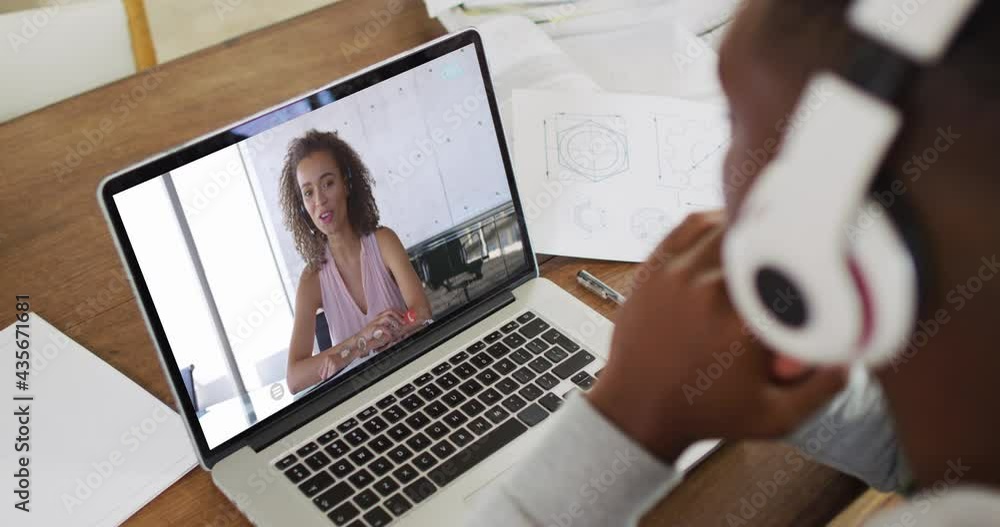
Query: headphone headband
[
  {"x": 806, "y": 287},
  {"x": 921, "y": 30}
]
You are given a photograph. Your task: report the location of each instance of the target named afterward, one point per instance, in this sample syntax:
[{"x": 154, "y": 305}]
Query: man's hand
[{"x": 679, "y": 328}]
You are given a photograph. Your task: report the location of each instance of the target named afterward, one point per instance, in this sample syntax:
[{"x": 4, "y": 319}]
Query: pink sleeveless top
[{"x": 381, "y": 292}]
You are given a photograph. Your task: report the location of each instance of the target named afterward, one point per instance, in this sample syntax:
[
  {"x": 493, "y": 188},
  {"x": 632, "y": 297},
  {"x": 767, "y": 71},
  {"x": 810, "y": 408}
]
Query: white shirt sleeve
[{"x": 584, "y": 472}]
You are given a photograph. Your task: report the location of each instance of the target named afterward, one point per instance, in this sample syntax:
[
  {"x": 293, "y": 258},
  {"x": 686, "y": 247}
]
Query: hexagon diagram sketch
[{"x": 585, "y": 148}]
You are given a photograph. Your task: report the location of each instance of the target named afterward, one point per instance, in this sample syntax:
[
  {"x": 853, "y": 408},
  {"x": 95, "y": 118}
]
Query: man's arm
[
  {"x": 583, "y": 472},
  {"x": 604, "y": 460},
  {"x": 587, "y": 472}
]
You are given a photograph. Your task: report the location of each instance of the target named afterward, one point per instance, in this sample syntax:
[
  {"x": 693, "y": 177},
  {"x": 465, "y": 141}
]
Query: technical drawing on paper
[
  {"x": 585, "y": 148},
  {"x": 690, "y": 154},
  {"x": 650, "y": 223},
  {"x": 589, "y": 217}
]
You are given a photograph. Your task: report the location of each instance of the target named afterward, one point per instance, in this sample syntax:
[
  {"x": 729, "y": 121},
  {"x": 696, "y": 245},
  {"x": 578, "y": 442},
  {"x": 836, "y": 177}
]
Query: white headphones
[{"x": 807, "y": 288}]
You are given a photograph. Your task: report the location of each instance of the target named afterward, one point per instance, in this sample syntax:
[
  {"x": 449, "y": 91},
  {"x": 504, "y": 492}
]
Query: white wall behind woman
[{"x": 427, "y": 138}]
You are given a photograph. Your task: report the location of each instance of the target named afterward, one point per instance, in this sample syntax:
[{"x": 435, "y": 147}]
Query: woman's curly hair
[{"x": 362, "y": 212}]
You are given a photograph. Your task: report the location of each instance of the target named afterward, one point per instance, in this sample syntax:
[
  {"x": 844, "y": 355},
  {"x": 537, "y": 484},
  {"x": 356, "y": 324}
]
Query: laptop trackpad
[{"x": 474, "y": 495}]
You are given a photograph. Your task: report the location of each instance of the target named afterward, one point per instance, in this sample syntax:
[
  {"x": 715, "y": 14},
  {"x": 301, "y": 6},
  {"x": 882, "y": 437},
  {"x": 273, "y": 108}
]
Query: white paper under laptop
[{"x": 101, "y": 447}]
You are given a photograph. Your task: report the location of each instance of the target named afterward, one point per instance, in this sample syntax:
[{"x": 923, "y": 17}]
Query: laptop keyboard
[{"x": 375, "y": 466}]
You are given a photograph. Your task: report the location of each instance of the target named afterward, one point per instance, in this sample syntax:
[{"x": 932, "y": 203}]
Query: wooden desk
[{"x": 54, "y": 244}]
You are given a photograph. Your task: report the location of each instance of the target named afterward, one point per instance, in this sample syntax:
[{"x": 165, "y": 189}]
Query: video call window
[{"x": 289, "y": 259}]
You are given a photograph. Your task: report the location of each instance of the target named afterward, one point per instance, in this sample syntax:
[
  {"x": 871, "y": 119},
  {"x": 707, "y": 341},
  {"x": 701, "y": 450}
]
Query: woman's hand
[
  {"x": 378, "y": 333},
  {"x": 381, "y": 331},
  {"x": 683, "y": 366}
]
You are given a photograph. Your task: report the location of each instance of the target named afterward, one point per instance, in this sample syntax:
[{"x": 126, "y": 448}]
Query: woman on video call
[{"x": 357, "y": 271}]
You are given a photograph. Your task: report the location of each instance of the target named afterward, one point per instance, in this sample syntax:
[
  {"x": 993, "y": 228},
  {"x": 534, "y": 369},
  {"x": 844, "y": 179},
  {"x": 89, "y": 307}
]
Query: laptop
[{"x": 410, "y": 430}]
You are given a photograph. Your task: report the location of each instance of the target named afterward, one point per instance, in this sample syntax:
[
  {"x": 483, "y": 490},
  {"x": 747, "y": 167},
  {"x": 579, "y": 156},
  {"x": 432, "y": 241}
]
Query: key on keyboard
[
  {"x": 554, "y": 337},
  {"x": 471, "y": 372},
  {"x": 572, "y": 365},
  {"x": 526, "y": 316},
  {"x": 475, "y": 452},
  {"x": 315, "y": 484},
  {"x": 297, "y": 473},
  {"x": 285, "y": 462},
  {"x": 334, "y": 496}
]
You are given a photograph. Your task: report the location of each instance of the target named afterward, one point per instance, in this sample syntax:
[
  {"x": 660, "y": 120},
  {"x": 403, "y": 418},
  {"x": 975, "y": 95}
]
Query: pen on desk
[{"x": 599, "y": 288}]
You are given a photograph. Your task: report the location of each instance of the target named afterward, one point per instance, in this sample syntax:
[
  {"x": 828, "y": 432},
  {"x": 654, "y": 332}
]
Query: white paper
[
  {"x": 521, "y": 56},
  {"x": 101, "y": 447},
  {"x": 702, "y": 16},
  {"x": 659, "y": 57},
  {"x": 637, "y": 46},
  {"x": 511, "y": 3},
  {"x": 436, "y": 7},
  {"x": 606, "y": 176},
  {"x": 562, "y": 18}
]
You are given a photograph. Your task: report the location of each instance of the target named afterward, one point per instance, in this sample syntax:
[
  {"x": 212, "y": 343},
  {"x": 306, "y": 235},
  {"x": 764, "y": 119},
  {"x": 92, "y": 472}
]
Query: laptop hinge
[{"x": 376, "y": 370}]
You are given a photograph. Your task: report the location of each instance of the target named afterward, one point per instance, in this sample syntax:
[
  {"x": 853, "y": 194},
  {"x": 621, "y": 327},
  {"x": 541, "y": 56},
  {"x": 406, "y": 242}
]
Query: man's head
[{"x": 939, "y": 390}]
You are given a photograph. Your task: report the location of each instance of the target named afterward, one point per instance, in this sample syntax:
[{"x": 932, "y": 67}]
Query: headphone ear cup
[
  {"x": 793, "y": 288},
  {"x": 825, "y": 303},
  {"x": 889, "y": 282},
  {"x": 807, "y": 287}
]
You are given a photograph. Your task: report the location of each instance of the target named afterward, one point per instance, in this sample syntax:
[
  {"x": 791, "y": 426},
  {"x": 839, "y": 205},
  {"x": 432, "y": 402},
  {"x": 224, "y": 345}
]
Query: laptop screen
[{"x": 324, "y": 234}]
